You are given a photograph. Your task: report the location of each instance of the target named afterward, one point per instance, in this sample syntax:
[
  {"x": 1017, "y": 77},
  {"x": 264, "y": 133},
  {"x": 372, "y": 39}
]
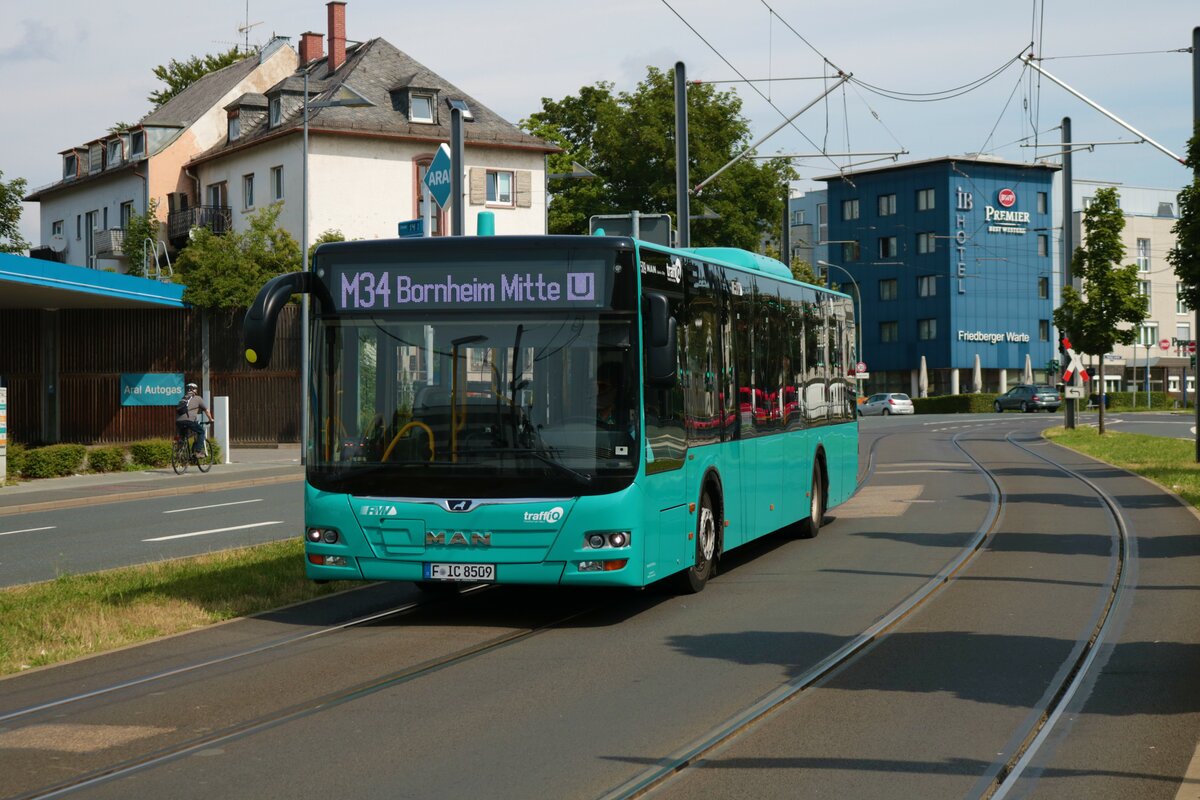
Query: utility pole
[
  {"x": 1068, "y": 243},
  {"x": 1195, "y": 127},
  {"x": 682, "y": 199}
]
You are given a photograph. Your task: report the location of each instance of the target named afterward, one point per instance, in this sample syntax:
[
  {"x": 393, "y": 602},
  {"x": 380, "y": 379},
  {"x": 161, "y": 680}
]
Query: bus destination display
[{"x": 461, "y": 286}]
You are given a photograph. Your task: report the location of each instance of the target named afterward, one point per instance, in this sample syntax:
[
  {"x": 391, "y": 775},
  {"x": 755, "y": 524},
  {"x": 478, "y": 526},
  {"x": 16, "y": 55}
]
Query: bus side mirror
[
  {"x": 661, "y": 342},
  {"x": 258, "y": 329}
]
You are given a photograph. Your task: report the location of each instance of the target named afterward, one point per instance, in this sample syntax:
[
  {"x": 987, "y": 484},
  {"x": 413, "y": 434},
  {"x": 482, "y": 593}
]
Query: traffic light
[
  {"x": 1193, "y": 360},
  {"x": 1053, "y": 366}
]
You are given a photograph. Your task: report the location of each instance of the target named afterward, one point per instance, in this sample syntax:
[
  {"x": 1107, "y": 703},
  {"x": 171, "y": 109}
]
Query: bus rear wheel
[
  {"x": 809, "y": 528},
  {"x": 694, "y": 578}
]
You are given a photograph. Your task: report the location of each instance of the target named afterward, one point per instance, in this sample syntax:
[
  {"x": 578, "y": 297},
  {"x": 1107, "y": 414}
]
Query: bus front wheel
[
  {"x": 694, "y": 578},
  {"x": 810, "y": 527}
]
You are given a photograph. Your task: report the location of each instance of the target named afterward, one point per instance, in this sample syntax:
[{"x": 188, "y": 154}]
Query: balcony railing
[
  {"x": 110, "y": 243},
  {"x": 218, "y": 219}
]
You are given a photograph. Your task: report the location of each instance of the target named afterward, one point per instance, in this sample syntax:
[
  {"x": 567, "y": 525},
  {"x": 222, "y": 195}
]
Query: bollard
[{"x": 486, "y": 224}]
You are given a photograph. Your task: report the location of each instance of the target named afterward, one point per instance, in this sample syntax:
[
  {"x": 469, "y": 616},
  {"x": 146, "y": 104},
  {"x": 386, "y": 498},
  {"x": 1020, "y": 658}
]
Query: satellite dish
[{"x": 58, "y": 243}]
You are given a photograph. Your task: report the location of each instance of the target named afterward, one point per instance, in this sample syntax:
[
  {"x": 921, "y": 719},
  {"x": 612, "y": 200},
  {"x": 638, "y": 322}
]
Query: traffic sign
[
  {"x": 861, "y": 366},
  {"x": 1164, "y": 344},
  {"x": 410, "y": 228},
  {"x": 861, "y": 376},
  {"x": 1074, "y": 365},
  {"x": 1073, "y": 392},
  {"x": 1192, "y": 346},
  {"x": 437, "y": 177}
]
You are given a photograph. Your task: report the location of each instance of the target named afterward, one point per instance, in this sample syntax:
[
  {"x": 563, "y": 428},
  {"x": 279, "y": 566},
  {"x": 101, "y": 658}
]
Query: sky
[{"x": 73, "y": 69}]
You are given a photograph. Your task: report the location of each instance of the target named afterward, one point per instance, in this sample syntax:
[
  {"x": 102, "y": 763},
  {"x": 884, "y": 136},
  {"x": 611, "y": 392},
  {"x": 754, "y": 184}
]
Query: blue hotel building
[{"x": 953, "y": 260}]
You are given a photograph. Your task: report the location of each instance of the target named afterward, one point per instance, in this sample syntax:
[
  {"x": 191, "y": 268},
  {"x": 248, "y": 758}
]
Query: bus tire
[
  {"x": 694, "y": 578},
  {"x": 809, "y": 528}
]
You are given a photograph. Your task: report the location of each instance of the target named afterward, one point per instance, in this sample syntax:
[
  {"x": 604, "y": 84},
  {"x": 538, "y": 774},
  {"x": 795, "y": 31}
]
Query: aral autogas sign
[{"x": 151, "y": 388}]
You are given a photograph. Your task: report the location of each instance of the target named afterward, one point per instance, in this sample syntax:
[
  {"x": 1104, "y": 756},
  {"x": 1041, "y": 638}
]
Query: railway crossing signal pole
[
  {"x": 1195, "y": 127},
  {"x": 1068, "y": 242}
]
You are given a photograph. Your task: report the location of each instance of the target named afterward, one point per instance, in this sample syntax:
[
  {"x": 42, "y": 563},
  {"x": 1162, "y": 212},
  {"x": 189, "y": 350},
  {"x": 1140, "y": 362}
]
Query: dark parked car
[{"x": 1028, "y": 397}]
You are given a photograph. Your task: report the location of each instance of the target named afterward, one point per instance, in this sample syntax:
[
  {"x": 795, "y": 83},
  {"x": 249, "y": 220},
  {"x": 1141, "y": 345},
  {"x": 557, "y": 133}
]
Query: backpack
[{"x": 181, "y": 407}]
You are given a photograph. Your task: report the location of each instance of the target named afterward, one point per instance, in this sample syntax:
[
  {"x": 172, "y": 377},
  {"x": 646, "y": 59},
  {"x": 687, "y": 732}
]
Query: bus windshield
[{"x": 475, "y": 405}]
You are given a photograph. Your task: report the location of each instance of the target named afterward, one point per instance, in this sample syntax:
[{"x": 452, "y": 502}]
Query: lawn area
[{"x": 1171, "y": 463}]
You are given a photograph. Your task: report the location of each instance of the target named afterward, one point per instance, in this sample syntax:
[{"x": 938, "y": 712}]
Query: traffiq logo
[{"x": 551, "y": 516}]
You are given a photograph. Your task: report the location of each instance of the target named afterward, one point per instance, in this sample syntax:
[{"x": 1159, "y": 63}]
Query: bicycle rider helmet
[{"x": 192, "y": 386}]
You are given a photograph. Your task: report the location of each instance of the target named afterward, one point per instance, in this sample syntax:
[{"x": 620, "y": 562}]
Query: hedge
[
  {"x": 107, "y": 459},
  {"x": 151, "y": 452},
  {"x": 55, "y": 461}
]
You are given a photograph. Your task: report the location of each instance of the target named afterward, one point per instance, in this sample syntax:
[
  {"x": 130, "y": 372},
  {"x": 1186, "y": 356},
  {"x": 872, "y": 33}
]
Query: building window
[
  {"x": 1043, "y": 330},
  {"x": 126, "y": 213},
  {"x": 1143, "y": 255},
  {"x": 887, "y": 247},
  {"x": 1087, "y": 202},
  {"x": 70, "y": 166},
  {"x": 78, "y": 226},
  {"x": 276, "y": 183},
  {"x": 137, "y": 144},
  {"x": 926, "y": 243},
  {"x": 889, "y": 331},
  {"x": 926, "y": 329},
  {"x": 247, "y": 191},
  {"x": 218, "y": 195},
  {"x": 235, "y": 126},
  {"x": 276, "y": 112},
  {"x": 850, "y": 251},
  {"x": 798, "y": 217},
  {"x": 1041, "y": 202},
  {"x": 420, "y": 108},
  {"x": 888, "y": 289},
  {"x": 1043, "y": 244},
  {"x": 926, "y": 285},
  {"x": 1144, "y": 291},
  {"x": 1148, "y": 334},
  {"x": 822, "y": 223},
  {"x": 115, "y": 152},
  {"x": 499, "y": 187},
  {"x": 56, "y": 228},
  {"x": 1166, "y": 210},
  {"x": 925, "y": 199},
  {"x": 887, "y": 205},
  {"x": 1043, "y": 288},
  {"x": 849, "y": 209},
  {"x": 461, "y": 105},
  {"x": 1183, "y": 331},
  {"x": 1180, "y": 303}
]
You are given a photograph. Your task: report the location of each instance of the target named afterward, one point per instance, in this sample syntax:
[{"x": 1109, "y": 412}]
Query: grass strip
[{"x": 77, "y": 615}]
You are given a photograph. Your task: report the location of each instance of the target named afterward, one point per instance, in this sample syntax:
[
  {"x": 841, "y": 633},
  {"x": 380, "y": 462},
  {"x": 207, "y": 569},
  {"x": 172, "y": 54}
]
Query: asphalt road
[{"x": 516, "y": 692}]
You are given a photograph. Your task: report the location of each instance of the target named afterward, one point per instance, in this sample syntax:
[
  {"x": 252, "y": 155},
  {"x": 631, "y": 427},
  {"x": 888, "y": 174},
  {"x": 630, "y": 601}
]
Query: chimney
[
  {"x": 310, "y": 48},
  {"x": 337, "y": 34}
]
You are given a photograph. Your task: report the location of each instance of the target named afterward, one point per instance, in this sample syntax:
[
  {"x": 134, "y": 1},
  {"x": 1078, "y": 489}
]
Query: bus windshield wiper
[{"x": 581, "y": 478}]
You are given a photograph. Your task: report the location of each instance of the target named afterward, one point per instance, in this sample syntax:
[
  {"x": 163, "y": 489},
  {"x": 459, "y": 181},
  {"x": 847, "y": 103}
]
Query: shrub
[
  {"x": 151, "y": 452},
  {"x": 106, "y": 459},
  {"x": 954, "y": 404},
  {"x": 16, "y": 460},
  {"x": 54, "y": 461}
]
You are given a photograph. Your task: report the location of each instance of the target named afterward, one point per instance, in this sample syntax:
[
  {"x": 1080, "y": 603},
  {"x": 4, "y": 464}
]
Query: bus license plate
[{"x": 460, "y": 572}]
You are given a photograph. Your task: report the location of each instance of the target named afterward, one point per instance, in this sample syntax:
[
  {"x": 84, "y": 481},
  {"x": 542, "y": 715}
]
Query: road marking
[
  {"x": 214, "y": 530},
  {"x": 1190, "y": 789},
  {"x": 29, "y": 530},
  {"x": 216, "y": 505}
]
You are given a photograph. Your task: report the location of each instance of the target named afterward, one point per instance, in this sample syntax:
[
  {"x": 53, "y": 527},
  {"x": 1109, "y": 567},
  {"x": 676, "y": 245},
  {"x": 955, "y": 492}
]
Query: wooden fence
[{"x": 74, "y": 358}]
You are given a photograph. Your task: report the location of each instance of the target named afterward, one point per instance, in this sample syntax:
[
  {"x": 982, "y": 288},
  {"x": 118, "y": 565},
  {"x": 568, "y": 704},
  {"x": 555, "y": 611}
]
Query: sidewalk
[{"x": 249, "y": 466}]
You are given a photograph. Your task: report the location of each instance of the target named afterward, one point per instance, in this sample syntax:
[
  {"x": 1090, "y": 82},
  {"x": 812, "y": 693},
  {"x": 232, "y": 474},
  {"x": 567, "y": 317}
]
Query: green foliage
[
  {"x": 1128, "y": 401},
  {"x": 55, "y": 461},
  {"x": 178, "y": 75},
  {"x": 1093, "y": 320},
  {"x": 627, "y": 139},
  {"x": 225, "y": 271},
  {"x": 1185, "y": 256},
  {"x": 803, "y": 271},
  {"x": 955, "y": 404},
  {"x": 11, "y": 193},
  {"x": 331, "y": 235},
  {"x": 106, "y": 459},
  {"x": 140, "y": 228},
  {"x": 15, "y": 460},
  {"x": 151, "y": 453}
]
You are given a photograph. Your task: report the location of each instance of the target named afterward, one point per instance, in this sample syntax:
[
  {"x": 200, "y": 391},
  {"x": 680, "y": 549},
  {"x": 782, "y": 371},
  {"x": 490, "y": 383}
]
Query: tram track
[
  {"x": 266, "y": 721},
  {"x": 1006, "y": 771}
]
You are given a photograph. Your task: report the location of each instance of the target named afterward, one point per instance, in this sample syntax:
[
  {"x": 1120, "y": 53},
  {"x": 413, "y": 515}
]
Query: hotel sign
[{"x": 1004, "y": 219}]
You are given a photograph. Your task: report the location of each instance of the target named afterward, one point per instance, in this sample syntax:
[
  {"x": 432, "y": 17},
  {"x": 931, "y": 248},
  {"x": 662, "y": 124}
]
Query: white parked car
[{"x": 886, "y": 404}]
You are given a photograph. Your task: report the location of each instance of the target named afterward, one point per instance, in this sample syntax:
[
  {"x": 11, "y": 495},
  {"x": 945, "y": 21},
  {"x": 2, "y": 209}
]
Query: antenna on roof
[{"x": 245, "y": 29}]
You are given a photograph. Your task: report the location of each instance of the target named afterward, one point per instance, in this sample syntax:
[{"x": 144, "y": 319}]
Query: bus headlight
[
  {"x": 599, "y": 539},
  {"x": 325, "y": 535}
]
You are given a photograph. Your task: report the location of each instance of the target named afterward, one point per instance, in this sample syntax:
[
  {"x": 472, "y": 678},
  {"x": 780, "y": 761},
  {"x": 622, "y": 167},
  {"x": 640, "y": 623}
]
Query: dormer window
[
  {"x": 137, "y": 144},
  {"x": 276, "y": 112},
  {"x": 235, "y": 126},
  {"x": 70, "y": 167},
  {"x": 420, "y": 107},
  {"x": 116, "y": 153},
  {"x": 461, "y": 105}
]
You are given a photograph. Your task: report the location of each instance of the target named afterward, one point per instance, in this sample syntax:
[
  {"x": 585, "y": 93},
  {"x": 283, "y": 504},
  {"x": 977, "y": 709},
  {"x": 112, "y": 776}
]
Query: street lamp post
[
  {"x": 345, "y": 97},
  {"x": 857, "y": 294}
]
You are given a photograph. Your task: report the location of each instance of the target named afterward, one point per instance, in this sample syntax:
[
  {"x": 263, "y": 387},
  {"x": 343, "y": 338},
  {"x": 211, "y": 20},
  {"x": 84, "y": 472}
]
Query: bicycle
[{"x": 182, "y": 456}]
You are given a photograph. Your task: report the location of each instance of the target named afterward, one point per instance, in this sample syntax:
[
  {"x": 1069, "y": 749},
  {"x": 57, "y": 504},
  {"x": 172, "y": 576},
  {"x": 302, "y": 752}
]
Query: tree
[
  {"x": 225, "y": 271},
  {"x": 1185, "y": 255},
  {"x": 140, "y": 228},
  {"x": 178, "y": 75},
  {"x": 627, "y": 139},
  {"x": 11, "y": 193},
  {"x": 1110, "y": 294}
]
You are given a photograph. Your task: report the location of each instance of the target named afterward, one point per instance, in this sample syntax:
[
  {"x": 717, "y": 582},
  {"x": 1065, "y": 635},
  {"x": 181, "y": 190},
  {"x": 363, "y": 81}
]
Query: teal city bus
[{"x": 583, "y": 410}]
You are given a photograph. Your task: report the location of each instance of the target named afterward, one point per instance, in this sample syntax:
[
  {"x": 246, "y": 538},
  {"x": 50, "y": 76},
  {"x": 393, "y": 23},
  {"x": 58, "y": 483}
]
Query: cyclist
[{"x": 188, "y": 417}]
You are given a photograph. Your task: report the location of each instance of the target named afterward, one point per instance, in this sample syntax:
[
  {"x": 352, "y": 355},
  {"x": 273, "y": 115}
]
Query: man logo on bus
[
  {"x": 458, "y": 505},
  {"x": 581, "y": 286},
  {"x": 552, "y": 516}
]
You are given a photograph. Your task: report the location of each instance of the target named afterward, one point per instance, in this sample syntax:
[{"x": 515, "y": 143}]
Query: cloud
[{"x": 37, "y": 42}]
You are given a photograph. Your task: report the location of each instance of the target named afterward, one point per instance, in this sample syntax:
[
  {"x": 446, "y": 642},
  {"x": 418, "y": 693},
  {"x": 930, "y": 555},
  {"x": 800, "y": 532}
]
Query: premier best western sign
[{"x": 1004, "y": 219}]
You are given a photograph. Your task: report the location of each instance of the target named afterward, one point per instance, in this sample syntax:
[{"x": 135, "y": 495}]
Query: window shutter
[
  {"x": 524, "y": 188},
  {"x": 478, "y": 189}
]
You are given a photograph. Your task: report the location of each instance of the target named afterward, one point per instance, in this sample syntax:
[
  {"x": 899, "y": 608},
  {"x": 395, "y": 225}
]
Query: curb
[{"x": 76, "y": 502}]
